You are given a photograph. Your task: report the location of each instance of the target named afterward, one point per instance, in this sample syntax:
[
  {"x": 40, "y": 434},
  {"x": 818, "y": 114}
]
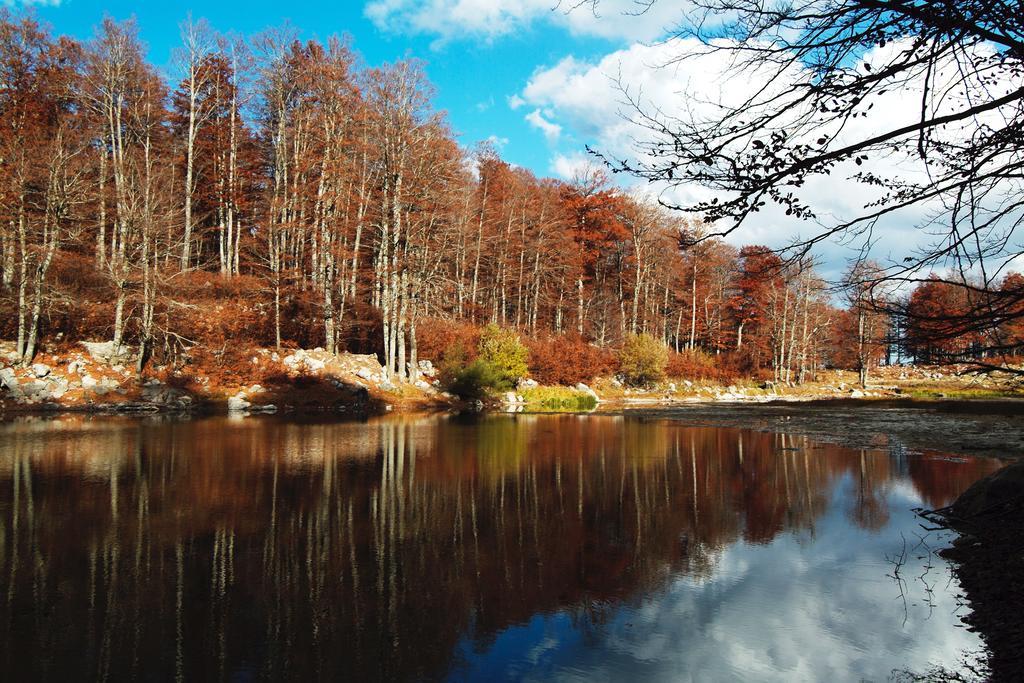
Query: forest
[{"x": 278, "y": 193}]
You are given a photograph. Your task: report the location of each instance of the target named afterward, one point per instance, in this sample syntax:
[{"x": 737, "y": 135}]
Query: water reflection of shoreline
[{"x": 370, "y": 550}]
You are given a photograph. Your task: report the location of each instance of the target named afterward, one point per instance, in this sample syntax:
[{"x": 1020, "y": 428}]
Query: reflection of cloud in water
[{"x": 803, "y": 607}]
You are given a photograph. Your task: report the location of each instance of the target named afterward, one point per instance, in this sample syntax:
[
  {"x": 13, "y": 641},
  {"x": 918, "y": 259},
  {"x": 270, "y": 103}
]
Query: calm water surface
[{"x": 507, "y": 547}]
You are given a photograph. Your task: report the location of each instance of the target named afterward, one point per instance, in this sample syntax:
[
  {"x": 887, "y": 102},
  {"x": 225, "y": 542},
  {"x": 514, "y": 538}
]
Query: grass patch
[
  {"x": 962, "y": 393},
  {"x": 558, "y": 399}
]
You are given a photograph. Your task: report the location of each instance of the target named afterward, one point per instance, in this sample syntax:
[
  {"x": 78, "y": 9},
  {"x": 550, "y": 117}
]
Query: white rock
[
  {"x": 40, "y": 370},
  {"x": 36, "y": 390},
  {"x": 528, "y": 383},
  {"x": 99, "y": 350},
  {"x": 238, "y": 403},
  {"x": 314, "y": 364},
  {"x": 89, "y": 382},
  {"x": 586, "y": 390},
  {"x": 9, "y": 380}
]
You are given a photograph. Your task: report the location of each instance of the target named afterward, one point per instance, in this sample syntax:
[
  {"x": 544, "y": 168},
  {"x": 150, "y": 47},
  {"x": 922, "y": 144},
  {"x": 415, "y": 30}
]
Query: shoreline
[
  {"x": 205, "y": 405},
  {"x": 982, "y": 427},
  {"x": 90, "y": 378},
  {"x": 971, "y": 427}
]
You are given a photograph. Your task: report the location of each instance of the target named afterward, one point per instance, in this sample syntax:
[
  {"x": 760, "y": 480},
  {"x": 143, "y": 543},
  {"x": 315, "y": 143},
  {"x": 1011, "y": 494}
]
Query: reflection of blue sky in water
[{"x": 807, "y": 606}]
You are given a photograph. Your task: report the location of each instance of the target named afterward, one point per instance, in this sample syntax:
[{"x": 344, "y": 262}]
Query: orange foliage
[
  {"x": 436, "y": 338},
  {"x": 567, "y": 359},
  {"x": 697, "y": 364}
]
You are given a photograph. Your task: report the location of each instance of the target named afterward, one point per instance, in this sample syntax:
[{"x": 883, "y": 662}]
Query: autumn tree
[
  {"x": 935, "y": 311},
  {"x": 1011, "y": 330},
  {"x": 196, "y": 105},
  {"x": 594, "y": 212},
  {"x": 42, "y": 164},
  {"x": 398, "y": 97},
  {"x": 128, "y": 96},
  {"x": 865, "y": 302}
]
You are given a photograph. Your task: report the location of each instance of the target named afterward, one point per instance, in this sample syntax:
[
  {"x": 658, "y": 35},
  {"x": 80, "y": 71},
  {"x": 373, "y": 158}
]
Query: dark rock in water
[
  {"x": 994, "y": 494},
  {"x": 988, "y": 562}
]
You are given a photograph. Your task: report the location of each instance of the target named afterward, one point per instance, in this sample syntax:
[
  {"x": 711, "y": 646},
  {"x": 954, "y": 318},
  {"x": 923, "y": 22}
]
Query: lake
[{"x": 502, "y": 547}]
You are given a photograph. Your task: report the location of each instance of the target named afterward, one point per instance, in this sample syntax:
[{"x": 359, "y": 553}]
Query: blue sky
[{"x": 475, "y": 71}]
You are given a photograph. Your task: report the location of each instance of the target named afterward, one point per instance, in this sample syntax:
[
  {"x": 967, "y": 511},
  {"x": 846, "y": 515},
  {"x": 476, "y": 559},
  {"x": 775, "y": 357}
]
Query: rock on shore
[{"x": 93, "y": 377}]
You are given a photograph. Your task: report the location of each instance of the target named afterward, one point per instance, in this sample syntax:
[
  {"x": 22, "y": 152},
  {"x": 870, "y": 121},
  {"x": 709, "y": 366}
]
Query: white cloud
[
  {"x": 586, "y": 100},
  {"x": 569, "y": 166},
  {"x": 515, "y": 101},
  {"x": 491, "y": 19},
  {"x": 815, "y": 604},
  {"x": 551, "y": 130},
  {"x": 499, "y": 143}
]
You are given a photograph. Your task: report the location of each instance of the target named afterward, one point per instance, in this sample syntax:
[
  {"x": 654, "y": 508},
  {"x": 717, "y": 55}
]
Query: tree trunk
[
  {"x": 101, "y": 232},
  {"x": 186, "y": 249},
  {"x": 579, "y": 316}
]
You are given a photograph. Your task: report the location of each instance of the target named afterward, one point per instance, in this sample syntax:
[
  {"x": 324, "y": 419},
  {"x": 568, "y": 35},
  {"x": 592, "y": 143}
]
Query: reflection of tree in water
[
  {"x": 328, "y": 550},
  {"x": 868, "y": 508}
]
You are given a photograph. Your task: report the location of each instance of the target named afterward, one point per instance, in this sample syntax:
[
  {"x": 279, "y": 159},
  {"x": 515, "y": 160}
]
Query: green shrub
[
  {"x": 471, "y": 382},
  {"x": 468, "y": 379},
  {"x": 505, "y": 353},
  {"x": 642, "y": 360}
]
